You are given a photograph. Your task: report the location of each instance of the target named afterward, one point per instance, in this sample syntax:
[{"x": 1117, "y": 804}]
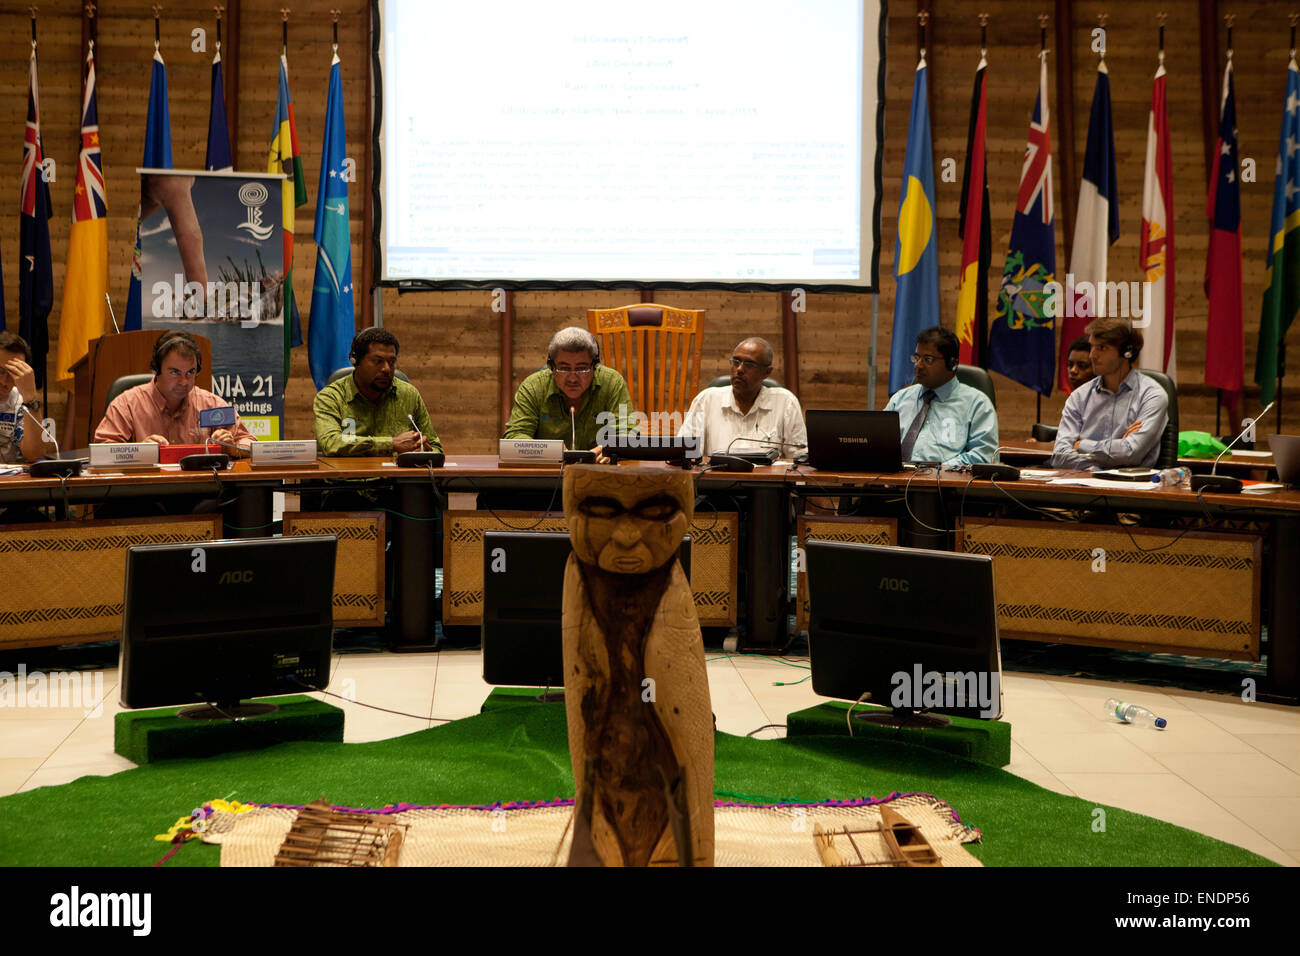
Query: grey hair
[
  {"x": 573, "y": 339},
  {"x": 768, "y": 354}
]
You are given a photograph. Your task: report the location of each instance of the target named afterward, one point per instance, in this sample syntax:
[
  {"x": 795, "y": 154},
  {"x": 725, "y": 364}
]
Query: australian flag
[{"x": 35, "y": 270}]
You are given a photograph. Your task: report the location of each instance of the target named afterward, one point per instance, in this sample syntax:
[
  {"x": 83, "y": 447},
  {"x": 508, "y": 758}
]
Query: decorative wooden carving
[
  {"x": 636, "y": 690},
  {"x": 323, "y": 836}
]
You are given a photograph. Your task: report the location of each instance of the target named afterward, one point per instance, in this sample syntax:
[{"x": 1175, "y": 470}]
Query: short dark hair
[
  {"x": 1117, "y": 332},
  {"x": 945, "y": 340},
  {"x": 362, "y": 341},
  {"x": 174, "y": 340},
  {"x": 1081, "y": 344},
  {"x": 12, "y": 342}
]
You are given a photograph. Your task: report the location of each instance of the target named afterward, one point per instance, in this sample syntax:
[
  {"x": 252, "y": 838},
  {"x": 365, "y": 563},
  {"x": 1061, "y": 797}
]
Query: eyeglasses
[
  {"x": 748, "y": 365},
  {"x": 580, "y": 370},
  {"x": 928, "y": 360}
]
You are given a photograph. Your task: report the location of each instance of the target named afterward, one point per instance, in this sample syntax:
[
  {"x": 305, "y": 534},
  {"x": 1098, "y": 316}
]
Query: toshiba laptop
[{"x": 844, "y": 440}]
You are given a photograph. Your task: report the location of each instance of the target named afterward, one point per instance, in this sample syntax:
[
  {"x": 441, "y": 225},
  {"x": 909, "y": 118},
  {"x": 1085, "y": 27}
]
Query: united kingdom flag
[{"x": 35, "y": 272}]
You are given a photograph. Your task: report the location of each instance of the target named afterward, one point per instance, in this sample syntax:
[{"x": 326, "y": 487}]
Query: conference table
[{"x": 1125, "y": 565}]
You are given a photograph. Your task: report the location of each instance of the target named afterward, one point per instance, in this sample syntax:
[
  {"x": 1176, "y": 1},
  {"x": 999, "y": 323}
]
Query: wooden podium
[{"x": 107, "y": 359}]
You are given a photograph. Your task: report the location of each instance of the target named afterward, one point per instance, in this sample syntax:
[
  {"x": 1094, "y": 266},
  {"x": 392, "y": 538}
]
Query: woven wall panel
[
  {"x": 359, "y": 565},
  {"x": 866, "y": 530},
  {"x": 713, "y": 562},
  {"x": 1197, "y": 595},
  {"x": 65, "y": 580}
]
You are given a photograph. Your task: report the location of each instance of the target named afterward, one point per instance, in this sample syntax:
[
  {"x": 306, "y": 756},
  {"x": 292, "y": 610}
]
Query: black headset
[
  {"x": 1128, "y": 351},
  {"x": 953, "y": 362},
  {"x": 164, "y": 345}
]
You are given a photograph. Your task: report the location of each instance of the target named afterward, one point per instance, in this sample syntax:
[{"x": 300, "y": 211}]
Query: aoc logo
[
  {"x": 236, "y": 577},
  {"x": 894, "y": 584},
  {"x": 75, "y": 909}
]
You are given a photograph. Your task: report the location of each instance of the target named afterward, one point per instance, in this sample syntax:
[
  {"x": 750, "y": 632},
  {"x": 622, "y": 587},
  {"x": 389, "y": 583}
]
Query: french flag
[{"x": 1096, "y": 226}]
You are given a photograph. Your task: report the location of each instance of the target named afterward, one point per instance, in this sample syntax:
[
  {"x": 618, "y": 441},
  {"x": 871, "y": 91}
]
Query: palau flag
[
  {"x": 1096, "y": 225},
  {"x": 285, "y": 158},
  {"x": 1022, "y": 338},
  {"x": 1156, "y": 252},
  {"x": 85, "y": 312},
  {"x": 977, "y": 243},
  {"x": 1225, "y": 350},
  {"x": 157, "y": 155},
  {"x": 35, "y": 271},
  {"x": 1282, "y": 278},
  {"x": 333, "y": 321},
  {"x": 916, "y": 257},
  {"x": 218, "y": 154}
]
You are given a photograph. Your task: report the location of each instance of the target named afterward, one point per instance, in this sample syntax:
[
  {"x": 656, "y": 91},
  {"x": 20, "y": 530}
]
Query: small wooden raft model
[
  {"x": 322, "y": 836},
  {"x": 903, "y": 842}
]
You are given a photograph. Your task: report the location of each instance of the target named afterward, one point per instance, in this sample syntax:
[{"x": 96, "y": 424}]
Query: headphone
[
  {"x": 164, "y": 345},
  {"x": 1128, "y": 350},
  {"x": 953, "y": 362}
]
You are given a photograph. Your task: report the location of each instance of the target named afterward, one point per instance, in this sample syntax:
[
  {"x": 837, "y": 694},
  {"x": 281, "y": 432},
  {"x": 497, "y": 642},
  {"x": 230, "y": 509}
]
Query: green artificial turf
[
  {"x": 983, "y": 741},
  {"x": 520, "y": 753}
]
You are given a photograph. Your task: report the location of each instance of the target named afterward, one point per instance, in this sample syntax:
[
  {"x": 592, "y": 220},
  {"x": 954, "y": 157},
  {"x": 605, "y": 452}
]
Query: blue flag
[
  {"x": 1023, "y": 335},
  {"x": 35, "y": 270},
  {"x": 218, "y": 155},
  {"x": 332, "y": 323},
  {"x": 1282, "y": 289},
  {"x": 157, "y": 155},
  {"x": 916, "y": 256}
]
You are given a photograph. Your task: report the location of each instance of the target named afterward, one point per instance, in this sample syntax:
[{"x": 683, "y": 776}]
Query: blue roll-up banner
[{"x": 212, "y": 263}]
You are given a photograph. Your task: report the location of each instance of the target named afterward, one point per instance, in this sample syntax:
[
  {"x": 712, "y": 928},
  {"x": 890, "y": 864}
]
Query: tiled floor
[{"x": 1224, "y": 767}]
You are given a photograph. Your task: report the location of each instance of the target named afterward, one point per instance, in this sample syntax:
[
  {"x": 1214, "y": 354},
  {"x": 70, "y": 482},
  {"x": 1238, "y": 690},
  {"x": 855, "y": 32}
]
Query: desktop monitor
[
  {"x": 215, "y": 622},
  {"x": 916, "y": 630},
  {"x": 523, "y": 593}
]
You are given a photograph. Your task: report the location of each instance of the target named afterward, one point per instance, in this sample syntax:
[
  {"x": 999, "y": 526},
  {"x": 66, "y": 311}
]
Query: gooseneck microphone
[
  {"x": 55, "y": 467},
  {"x": 111, "y": 315},
  {"x": 572, "y": 455},
  {"x": 573, "y": 428},
  {"x": 1225, "y": 484}
]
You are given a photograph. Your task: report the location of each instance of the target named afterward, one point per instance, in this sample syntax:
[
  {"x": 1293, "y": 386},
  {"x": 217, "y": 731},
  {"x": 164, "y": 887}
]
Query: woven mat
[{"x": 538, "y": 835}]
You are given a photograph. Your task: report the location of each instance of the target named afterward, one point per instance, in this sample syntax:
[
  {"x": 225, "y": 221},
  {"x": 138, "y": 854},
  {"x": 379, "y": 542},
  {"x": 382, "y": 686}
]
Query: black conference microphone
[
  {"x": 1223, "y": 483},
  {"x": 571, "y": 456},
  {"x": 420, "y": 458},
  {"x": 55, "y": 467}
]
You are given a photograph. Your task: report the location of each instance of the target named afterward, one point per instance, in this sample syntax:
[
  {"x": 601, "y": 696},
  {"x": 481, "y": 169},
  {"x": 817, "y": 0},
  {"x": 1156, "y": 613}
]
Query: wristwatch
[{"x": 33, "y": 406}]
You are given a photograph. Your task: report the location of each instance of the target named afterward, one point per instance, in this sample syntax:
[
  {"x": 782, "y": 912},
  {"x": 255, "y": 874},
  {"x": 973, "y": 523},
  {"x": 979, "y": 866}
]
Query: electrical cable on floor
[{"x": 399, "y": 713}]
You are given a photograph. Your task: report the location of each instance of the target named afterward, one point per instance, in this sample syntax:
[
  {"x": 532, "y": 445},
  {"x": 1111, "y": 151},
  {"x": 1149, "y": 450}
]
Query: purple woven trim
[{"x": 860, "y": 802}]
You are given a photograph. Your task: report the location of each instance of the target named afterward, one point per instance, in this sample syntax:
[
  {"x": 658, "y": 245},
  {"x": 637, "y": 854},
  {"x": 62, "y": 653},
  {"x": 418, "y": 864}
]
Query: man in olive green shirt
[
  {"x": 369, "y": 412},
  {"x": 573, "y": 378}
]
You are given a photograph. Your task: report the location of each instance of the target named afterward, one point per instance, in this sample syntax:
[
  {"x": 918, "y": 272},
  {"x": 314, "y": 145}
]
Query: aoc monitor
[
  {"x": 913, "y": 630},
  {"x": 217, "y": 622},
  {"x": 523, "y": 593}
]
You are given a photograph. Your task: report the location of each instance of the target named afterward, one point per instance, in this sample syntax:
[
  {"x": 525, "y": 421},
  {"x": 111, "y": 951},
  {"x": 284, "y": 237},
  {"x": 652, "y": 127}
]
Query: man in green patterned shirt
[
  {"x": 369, "y": 412},
  {"x": 573, "y": 379}
]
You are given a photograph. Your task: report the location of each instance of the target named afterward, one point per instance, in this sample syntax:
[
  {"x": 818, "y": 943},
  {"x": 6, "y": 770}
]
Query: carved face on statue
[{"x": 626, "y": 520}]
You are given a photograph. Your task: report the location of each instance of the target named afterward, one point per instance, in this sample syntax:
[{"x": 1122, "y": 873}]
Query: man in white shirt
[{"x": 747, "y": 416}]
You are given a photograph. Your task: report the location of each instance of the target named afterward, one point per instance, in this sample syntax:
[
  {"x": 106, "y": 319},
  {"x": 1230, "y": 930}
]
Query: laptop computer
[
  {"x": 1286, "y": 455},
  {"x": 846, "y": 440}
]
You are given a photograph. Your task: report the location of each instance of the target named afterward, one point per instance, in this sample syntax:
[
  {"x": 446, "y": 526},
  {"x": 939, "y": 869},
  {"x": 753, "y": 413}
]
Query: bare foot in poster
[{"x": 173, "y": 194}]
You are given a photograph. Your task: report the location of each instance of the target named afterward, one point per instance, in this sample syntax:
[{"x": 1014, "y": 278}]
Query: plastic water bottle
[
  {"x": 1174, "y": 477},
  {"x": 1133, "y": 714}
]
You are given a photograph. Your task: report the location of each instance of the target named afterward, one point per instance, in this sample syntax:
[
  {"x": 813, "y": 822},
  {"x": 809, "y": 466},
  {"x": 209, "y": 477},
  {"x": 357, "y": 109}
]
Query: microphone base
[
  {"x": 421, "y": 459},
  {"x": 55, "y": 468},
  {"x": 994, "y": 471},
  {"x": 1219, "y": 484},
  {"x": 204, "y": 462},
  {"x": 575, "y": 457},
  {"x": 730, "y": 463}
]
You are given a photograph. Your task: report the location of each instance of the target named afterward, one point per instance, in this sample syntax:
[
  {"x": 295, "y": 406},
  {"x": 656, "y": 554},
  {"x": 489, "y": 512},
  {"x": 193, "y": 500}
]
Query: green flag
[{"x": 1282, "y": 278}]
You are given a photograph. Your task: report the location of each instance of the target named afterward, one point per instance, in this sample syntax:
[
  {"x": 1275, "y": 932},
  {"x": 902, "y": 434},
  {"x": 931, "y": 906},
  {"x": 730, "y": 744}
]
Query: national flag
[
  {"x": 333, "y": 320},
  {"x": 916, "y": 258},
  {"x": 1224, "y": 336},
  {"x": 35, "y": 271},
  {"x": 286, "y": 158},
  {"x": 977, "y": 243},
  {"x": 1282, "y": 276},
  {"x": 1022, "y": 338},
  {"x": 1156, "y": 252},
  {"x": 218, "y": 154},
  {"x": 84, "y": 315},
  {"x": 1096, "y": 225},
  {"x": 157, "y": 155}
]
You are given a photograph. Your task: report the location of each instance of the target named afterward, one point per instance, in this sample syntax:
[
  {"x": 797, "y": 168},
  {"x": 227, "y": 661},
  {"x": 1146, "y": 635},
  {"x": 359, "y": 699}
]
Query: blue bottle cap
[{"x": 1161, "y": 723}]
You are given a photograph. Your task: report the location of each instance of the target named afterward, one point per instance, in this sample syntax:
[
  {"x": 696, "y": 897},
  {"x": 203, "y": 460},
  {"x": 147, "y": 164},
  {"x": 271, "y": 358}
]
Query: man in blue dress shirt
[
  {"x": 941, "y": 419},
  {"x": 1118, "y": 418}
]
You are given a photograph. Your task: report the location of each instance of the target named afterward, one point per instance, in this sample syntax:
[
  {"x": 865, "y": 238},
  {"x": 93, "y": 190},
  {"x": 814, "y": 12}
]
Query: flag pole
[{"x": 45, "y": 379}]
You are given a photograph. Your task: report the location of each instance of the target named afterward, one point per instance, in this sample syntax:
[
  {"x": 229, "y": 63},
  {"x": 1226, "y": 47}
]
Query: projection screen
[{"x": 691, "y": 143}]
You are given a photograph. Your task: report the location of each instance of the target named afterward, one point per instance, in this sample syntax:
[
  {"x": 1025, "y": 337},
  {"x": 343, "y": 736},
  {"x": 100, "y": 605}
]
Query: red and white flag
[{"x": 1156, "y": 252}]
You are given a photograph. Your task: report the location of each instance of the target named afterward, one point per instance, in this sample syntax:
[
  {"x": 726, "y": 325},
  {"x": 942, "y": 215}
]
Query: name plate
[
  {"x": 139, "y": 454},
  {"x": 529, "y": 451},
  {"x": 282, "y": 453}
]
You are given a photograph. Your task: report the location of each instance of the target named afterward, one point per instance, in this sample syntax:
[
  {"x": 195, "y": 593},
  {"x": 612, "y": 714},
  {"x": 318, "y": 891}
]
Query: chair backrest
[
  {"x": 338, "y": 373},
  {"x": 976, "y": 377},
  {"x": 1169, "y": 440},
  {"x": 656, "y": 348},
  {"x": 124, "y": 382},
  {"x": 726, "y": 380}
]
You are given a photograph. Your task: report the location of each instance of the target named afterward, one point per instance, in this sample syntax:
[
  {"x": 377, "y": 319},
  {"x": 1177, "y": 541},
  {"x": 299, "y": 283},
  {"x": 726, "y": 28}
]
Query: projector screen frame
[{"x": 870, "y": 284}]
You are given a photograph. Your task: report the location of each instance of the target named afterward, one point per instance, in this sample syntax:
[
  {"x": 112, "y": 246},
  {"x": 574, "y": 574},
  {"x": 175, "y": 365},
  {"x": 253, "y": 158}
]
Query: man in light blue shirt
[
  {"x": 1117, "y": 418},
  {"x": 940, "y": 418}
]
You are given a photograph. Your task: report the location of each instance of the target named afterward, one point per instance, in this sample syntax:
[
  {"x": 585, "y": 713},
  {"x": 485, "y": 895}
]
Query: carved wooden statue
[{"x": 635, "y": 687}]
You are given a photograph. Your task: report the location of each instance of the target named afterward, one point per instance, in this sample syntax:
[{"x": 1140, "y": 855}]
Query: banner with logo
[{"x": 212, "y": 264}]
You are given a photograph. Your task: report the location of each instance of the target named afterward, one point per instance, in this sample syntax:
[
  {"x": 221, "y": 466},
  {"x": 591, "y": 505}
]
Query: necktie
[{"x": 910, "y": 438}]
